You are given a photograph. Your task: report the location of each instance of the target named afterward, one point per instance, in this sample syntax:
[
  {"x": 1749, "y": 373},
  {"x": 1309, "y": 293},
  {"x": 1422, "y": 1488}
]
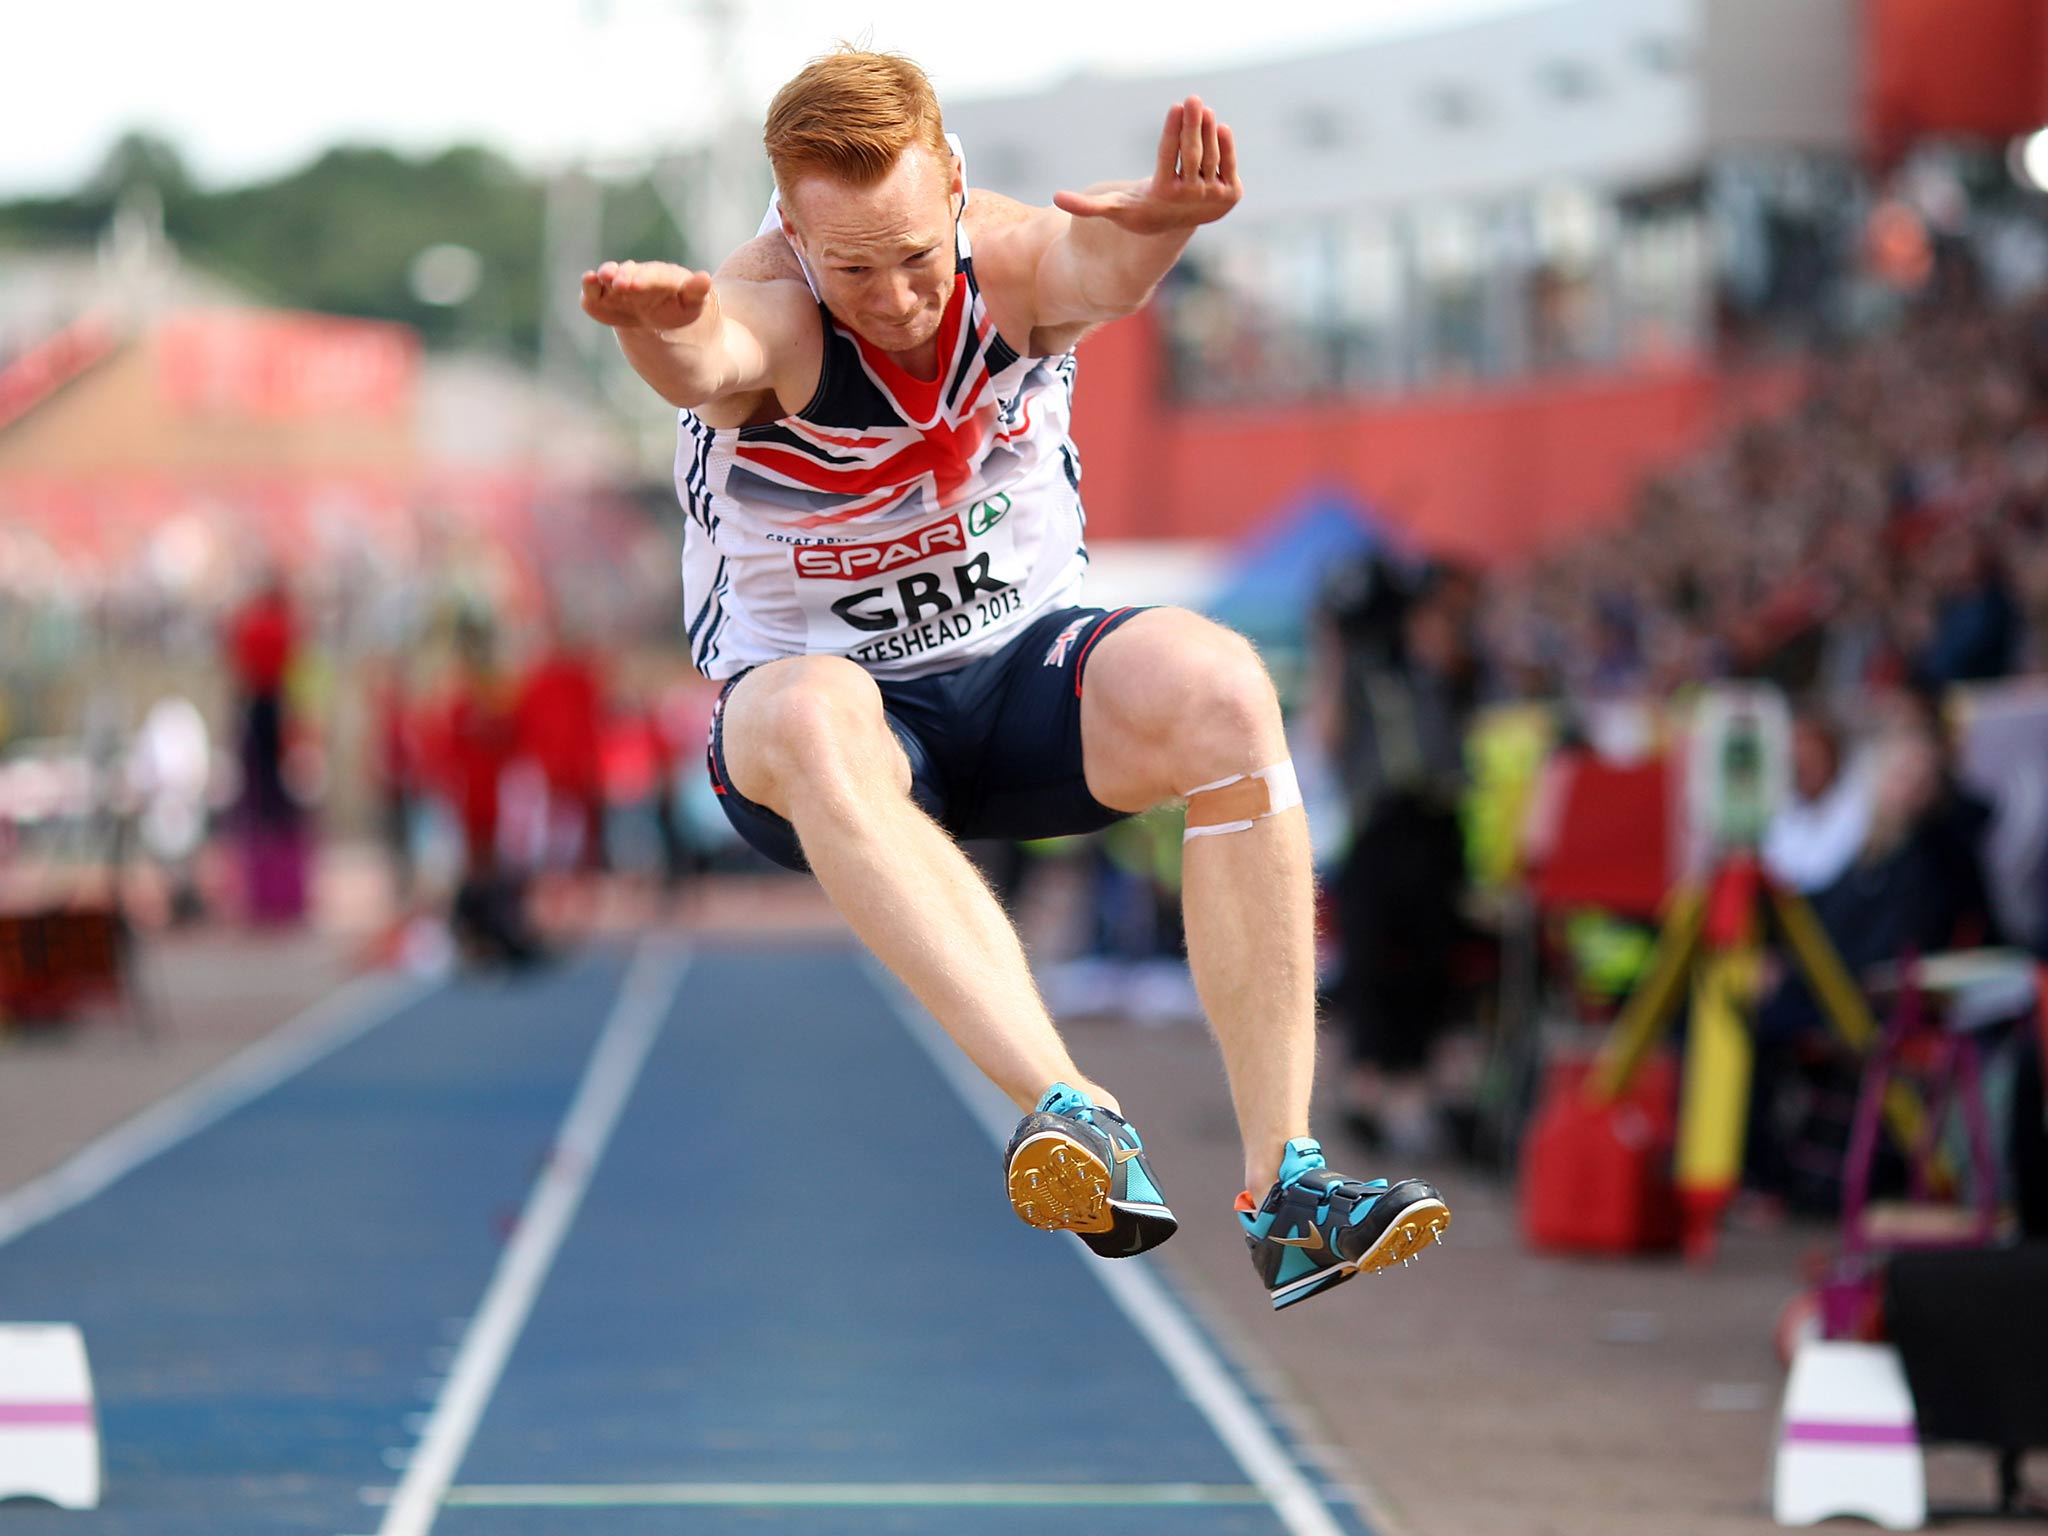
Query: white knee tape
[{"x": 1233, "y": 804}]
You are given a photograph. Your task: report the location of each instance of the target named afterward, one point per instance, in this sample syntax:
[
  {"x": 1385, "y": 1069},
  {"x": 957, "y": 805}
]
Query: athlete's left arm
[{"x": 1103, "y": 251}]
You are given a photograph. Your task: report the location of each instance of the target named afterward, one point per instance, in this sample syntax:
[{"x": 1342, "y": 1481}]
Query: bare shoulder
[
  {"x": 990, "y": 211},
  {"x": 1005, "y": 227},
  {"x": 762, "y": 285},
  {"x": 1009, "y": 238},
  {"x": 763, "y": 259}
]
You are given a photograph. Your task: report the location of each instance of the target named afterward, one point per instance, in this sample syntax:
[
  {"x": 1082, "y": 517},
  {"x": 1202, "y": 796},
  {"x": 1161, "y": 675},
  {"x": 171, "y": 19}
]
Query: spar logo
[
  {"x": 984, "y": 515},
  {"x": 859, "y": 562}
]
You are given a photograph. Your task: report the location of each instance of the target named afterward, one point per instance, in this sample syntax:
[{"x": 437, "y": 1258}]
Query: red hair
[{"x": 849, "y": 115}]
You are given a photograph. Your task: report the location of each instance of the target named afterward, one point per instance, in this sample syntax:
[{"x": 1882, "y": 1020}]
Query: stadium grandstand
[{"x": 1491, "y": 275}]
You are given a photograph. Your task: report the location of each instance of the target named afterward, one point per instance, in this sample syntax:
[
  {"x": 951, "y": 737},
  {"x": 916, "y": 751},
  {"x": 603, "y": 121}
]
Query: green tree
[{"x": 341, "y": 233}]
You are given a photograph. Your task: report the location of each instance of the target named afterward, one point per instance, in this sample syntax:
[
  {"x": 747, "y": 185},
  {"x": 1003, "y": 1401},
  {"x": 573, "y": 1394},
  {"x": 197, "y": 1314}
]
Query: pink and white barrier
[
  {"x": 1848, "y": 1443},
  {"x": 49, "y": 1431}
]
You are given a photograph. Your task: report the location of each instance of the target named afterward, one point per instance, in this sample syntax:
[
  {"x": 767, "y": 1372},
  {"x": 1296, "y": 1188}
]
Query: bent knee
[
  {"x": 1235, "y": 682},
  {"x": 1180, "y": 702},
  {"x": 1202, "y": 680},
  {"x": 808, "y": 725}
]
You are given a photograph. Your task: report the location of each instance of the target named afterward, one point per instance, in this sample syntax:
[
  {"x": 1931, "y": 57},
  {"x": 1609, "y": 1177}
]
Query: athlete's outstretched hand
[
  {"x": 646, "y": 295},
  {"x": 1195, "y": 181}
]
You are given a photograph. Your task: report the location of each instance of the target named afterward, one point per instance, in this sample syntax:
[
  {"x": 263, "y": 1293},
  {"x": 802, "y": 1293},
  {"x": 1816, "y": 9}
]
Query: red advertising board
[
  {"x": 1972, "y": 67},
  {"x": 256, "y": 364}
]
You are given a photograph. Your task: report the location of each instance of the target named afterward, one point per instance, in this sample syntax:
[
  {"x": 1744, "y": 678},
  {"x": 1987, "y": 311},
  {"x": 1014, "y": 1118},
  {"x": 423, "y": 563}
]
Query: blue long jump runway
[{"x": 704, "y": 1246}]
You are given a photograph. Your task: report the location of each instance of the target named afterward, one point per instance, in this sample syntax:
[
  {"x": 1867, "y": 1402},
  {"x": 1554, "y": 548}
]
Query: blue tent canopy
[{"x": 1277, "y": 571}]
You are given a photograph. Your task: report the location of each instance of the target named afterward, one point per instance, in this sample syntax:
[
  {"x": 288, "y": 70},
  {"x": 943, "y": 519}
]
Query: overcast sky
[{"x": 248, "y": 88}]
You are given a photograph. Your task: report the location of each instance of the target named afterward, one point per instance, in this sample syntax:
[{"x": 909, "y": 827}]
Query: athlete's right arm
[{"x": 691, "y": 340}]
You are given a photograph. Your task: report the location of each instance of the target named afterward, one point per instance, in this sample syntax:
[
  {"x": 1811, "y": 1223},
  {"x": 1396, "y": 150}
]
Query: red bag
[{"x": 1596, "y": 1178}]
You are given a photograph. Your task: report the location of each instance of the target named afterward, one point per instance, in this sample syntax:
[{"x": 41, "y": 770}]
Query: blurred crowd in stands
[
  {"x": 200, "y": 779},
  {"x": 1893, "y": 532},
  {"x": 541, "y": 771},
  {"x": 1879, "y": 557}
]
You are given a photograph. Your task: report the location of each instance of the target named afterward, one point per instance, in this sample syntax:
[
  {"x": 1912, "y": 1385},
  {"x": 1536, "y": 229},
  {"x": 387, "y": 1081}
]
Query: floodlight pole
[{"x": 715, "y": 195}]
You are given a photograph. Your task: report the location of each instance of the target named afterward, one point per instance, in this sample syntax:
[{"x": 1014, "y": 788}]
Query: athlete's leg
[
  {"x": 1171, "y": 702},
  {"x": 807, "y": 739}
]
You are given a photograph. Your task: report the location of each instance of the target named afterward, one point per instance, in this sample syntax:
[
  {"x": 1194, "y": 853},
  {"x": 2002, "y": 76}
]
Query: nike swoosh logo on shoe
[{"x": 1308, "y": 1244}]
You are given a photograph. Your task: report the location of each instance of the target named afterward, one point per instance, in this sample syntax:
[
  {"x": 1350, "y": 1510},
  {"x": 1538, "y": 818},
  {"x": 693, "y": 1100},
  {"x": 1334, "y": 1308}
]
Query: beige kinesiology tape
[{"x": 1233, "y": 804}]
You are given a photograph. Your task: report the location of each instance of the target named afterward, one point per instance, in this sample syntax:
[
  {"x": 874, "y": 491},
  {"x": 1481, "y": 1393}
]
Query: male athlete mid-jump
[{"x": 883, "y": 561}]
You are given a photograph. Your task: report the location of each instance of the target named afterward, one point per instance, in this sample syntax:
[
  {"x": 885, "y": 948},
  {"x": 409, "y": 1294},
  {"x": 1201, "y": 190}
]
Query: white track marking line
[
  {"x": 1142, "y": 1299},
  {"x": 845, "y": 1495},
  {"x": 645, "y": 998},
  {"x": 343, "y": 1015}
]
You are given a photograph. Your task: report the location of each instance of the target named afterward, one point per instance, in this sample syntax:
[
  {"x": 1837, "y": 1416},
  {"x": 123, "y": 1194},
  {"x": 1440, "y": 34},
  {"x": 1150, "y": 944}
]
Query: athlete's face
[{"x": 882, "y": 256}]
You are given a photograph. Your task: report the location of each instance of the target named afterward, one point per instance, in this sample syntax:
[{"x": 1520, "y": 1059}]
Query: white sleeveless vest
[{"x": 907, "y": 525}]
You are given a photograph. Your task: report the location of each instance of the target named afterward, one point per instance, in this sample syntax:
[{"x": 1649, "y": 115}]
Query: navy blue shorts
[{"x": 994, "y": 747}]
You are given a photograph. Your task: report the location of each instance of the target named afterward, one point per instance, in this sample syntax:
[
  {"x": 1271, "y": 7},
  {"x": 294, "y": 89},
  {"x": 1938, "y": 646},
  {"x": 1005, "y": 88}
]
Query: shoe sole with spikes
[
  {"x": 1059, "y": 1185},
  {"x": 1418, "y": 1226},
  {"x": 1414, "y": 1230}
]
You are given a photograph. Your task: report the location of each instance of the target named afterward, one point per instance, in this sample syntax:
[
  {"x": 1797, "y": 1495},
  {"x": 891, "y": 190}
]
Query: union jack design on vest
[{"x": 847, "y": 528}]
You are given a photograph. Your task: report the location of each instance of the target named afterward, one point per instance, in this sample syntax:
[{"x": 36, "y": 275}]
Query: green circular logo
[{"x": 984, "y": 515}]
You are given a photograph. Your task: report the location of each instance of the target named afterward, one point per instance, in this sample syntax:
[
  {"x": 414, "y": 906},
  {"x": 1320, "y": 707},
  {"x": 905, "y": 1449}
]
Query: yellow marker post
[
  {"x": 1655, "y": 999},
  {"x": 1713, "y": 1109}
]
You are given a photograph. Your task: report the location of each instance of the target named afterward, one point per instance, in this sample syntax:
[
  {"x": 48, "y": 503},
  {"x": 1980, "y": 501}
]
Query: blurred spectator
[
  {"x": 1398, "y": 684},
  {"x": 395, "y": 769},
  {"x": 1976, "y": 623},
  {"x": 637, "y": 758},
  {"x": 2027, "y": 1135},
  {"x": 489, "y": 919},
  {"x": 1819, "y": 833},
  {"x": 1917, "y": 884},
  {"x": 1936, "y": 829},
  {"x": 171, "y": 767},
  {"x": 261, "y": 641},
  {"x": 681, "y": 718},
  {"x": 559, "y": 714},
  {"x": 1132, "y": 961}
]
